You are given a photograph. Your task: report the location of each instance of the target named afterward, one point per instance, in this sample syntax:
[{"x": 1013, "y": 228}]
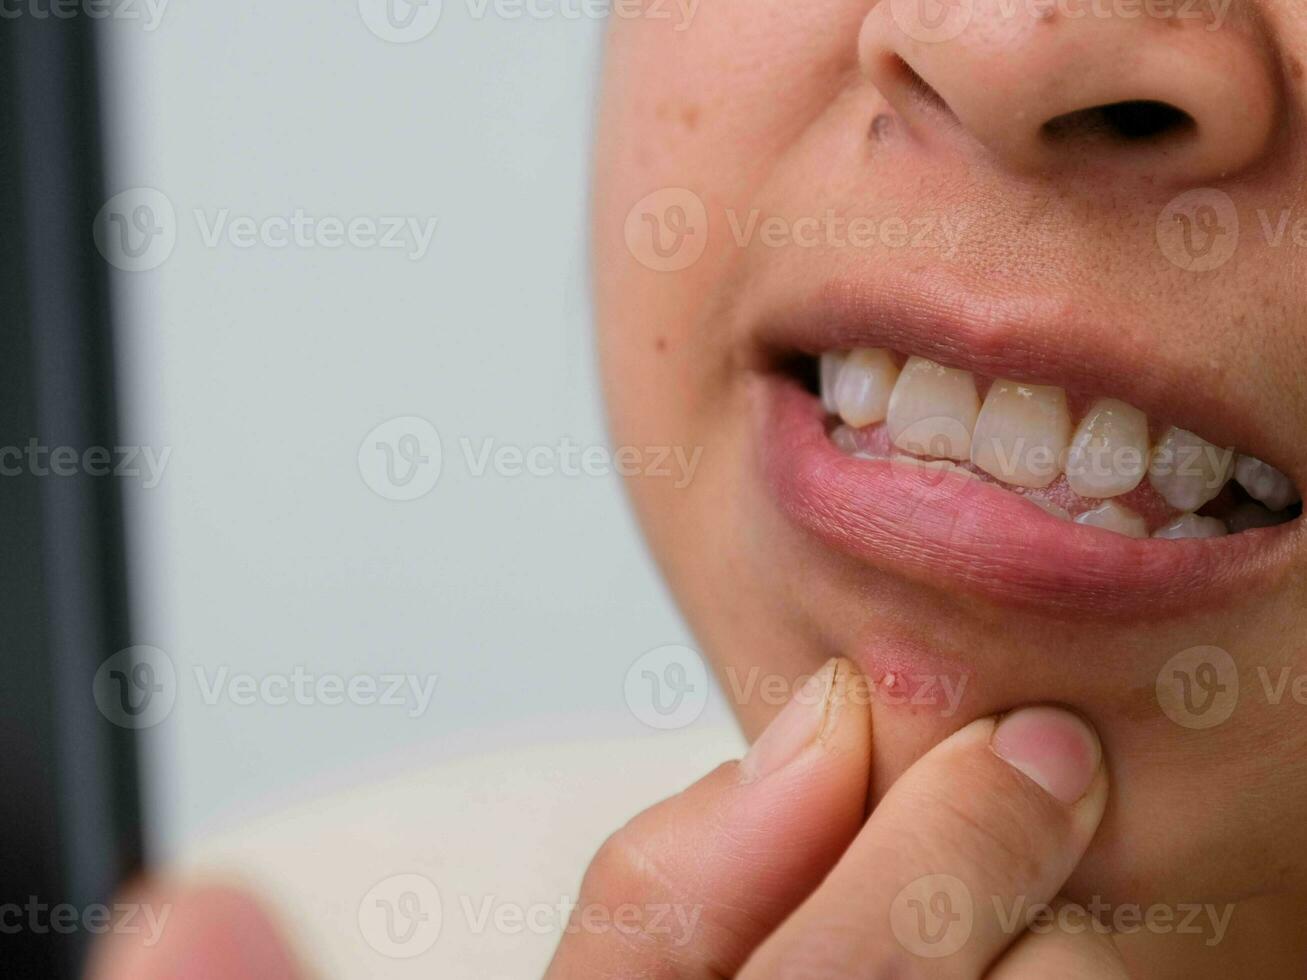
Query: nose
[{"x": 1107, "y": 84}]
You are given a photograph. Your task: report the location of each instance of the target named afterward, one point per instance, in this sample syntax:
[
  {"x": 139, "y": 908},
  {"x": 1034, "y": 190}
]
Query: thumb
[
  {"x": 700, "y": 879},
  {"x": 208, "y": 932}
]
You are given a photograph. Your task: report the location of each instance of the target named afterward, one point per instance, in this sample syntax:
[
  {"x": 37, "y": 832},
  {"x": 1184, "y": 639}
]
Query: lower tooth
[
  {"x": 1048, "y": 507},
  {"x": 844, "y": 439},
  {"x": 934, "y": 465},
  {"x": 1265, "y": 483},
  {"x": 1111, "y": 516},
  {"x": 1192, "y": 526}
]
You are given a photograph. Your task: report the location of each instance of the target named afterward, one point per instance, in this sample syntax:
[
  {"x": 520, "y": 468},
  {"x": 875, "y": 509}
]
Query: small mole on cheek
[
  {"x": 690, "y": 116},
  {"x": 881, "y": 126},
  {"x": 660, "y": 344}
]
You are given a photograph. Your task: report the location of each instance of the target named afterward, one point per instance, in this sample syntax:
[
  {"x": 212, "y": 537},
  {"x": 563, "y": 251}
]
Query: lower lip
[{"x": 949, "y": 531}]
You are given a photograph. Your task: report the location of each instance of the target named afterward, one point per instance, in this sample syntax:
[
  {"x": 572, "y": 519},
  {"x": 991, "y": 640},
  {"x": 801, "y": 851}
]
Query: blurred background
[{"x": 348, "y": 242}]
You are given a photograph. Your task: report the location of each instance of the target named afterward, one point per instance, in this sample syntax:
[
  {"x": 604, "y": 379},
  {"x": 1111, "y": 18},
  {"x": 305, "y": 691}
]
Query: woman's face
[{"x": 1102, "y": 196}]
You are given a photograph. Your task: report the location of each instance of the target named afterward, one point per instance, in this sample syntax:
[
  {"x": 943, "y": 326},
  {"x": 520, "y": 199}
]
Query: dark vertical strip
[{"x": 71, "y": 815}]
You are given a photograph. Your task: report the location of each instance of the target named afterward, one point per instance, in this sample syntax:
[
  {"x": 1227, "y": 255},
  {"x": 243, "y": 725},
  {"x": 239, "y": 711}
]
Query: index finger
[{"x": 982, "y": 831}]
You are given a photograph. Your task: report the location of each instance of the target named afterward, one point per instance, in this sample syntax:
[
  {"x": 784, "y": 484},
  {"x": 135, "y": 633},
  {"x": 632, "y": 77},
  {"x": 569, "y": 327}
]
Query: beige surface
[{"x": 502, "y": 839}]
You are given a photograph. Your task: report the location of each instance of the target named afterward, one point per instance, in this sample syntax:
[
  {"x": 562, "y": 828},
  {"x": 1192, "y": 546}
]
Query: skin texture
[
  {"x": 797, "y": 857},
  {"x": 795, "y": 110}
]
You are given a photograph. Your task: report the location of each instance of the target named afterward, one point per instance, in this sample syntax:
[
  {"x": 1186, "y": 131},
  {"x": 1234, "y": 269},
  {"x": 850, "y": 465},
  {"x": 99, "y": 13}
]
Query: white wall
[{"x": 263, "y": 369}]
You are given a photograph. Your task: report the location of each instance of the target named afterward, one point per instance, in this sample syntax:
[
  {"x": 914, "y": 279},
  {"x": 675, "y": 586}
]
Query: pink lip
[{"x": 951, "y": 532}]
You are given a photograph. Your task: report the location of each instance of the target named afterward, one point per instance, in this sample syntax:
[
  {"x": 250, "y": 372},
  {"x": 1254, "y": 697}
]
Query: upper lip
[{"x": 1037, "y": 339}]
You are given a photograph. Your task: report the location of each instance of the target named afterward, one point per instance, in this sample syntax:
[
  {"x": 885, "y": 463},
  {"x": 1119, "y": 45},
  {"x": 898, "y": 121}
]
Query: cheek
[{"x": 690, "y": 122}]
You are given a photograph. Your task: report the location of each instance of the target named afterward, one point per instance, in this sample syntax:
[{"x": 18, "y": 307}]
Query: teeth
[
  {"x": 1111, "y": 516},
  {"x": 863, "y": 386},
  {"x": 1048, "y": 507},
  {"x": 844, "y": 440},
  {"x": 933, "y": 465},
  {"x": 830, "y": 364},
  {"x": 1022, "y": 433},
  {"x": 1188, "y": 471},
  {"x": 1265, "y": 483},
  {"x": 1109, "y": 452},
  {"x": 1192, "y": 526},
  {"x": 933, "y": 410}
]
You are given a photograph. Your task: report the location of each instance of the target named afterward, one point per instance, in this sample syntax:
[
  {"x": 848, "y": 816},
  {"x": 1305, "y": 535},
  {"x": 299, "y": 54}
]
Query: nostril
[
  {"x": 920, "y": 89},
  {"x": 1135, "y": 121}
]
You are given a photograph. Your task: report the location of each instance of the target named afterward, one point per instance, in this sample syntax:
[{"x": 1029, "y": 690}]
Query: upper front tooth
[
  {"x": 1265, "y": 483},
  {"x": 1192, "y": 526},
  {"x": 1109, "y": 451},
  {"x": 1021, "y": 433},
  {"x": 1111, "y": 516},
  {"x": 933, "y": 410},
  {"x": 1188, "y": 471},
  {"x": 829, "y": 369},
  {"x": 863, "y": 386}
]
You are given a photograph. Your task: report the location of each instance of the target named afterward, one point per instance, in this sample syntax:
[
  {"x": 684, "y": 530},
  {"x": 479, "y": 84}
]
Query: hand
[
  {"x": 773, "y": 856},
  {"x": 211, "y": 933}
]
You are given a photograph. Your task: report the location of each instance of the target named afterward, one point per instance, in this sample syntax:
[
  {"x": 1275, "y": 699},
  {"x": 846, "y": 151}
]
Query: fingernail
[
  {"x": 794, "y": 729},
  {"x": 1053, "y": 747}
]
